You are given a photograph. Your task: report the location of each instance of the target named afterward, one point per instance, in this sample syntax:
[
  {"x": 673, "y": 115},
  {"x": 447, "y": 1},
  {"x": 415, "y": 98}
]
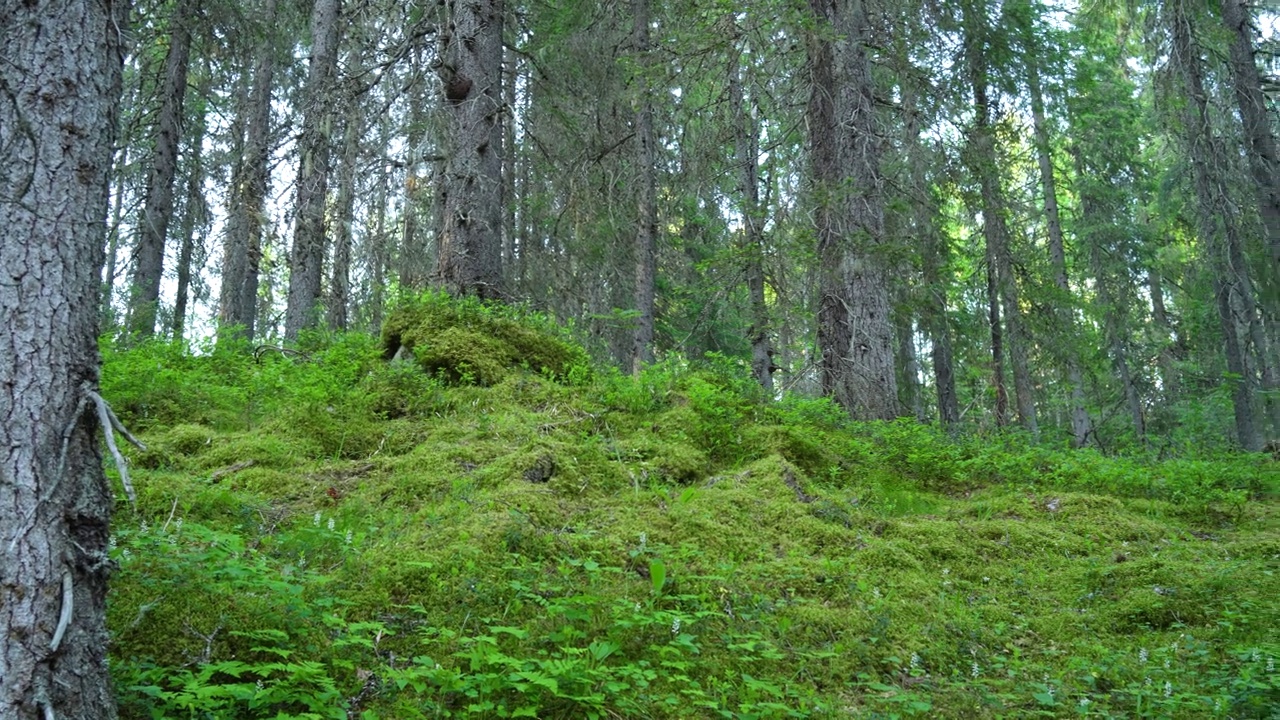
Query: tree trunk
[
  {"x": 933, "y": 253},
  {"x": 470, "y": 69},
  {"x": 414, "y": 265},
  {"x": 646, "y": 244},
  {"x": 340, "y": 277},
  {"x": 982, "y": 155},
  {"x": 1080, "y": 424},
  {"x": 746, "y": 147},
  {"x": 855, "y": 331},
  {"x": 1260, "y": 143},
  {"x": 306, "y": 258},
  {"x": 113, "y": 240},
  {"x": 194, "y": 213},
  {"x": 1212, "y": 225},
  {"x": 61, "y": 79},
  {"x": 148, "y": 256}
]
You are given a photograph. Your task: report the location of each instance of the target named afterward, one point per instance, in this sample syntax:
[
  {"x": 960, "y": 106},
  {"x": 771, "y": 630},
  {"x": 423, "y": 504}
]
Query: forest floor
[{"x": 329, "y": 535}]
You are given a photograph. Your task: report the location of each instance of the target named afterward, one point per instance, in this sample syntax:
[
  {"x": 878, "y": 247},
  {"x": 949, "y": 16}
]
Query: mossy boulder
[{"x": 464, "y": 341}]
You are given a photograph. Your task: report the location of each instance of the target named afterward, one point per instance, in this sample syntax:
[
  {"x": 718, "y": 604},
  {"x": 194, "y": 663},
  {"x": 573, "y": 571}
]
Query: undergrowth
[{"x": 500, "y": 529}]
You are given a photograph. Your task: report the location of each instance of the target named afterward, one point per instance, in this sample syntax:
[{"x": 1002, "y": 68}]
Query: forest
[{"x": 688, "y": 359}]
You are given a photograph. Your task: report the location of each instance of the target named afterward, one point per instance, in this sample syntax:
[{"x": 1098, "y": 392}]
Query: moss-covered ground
[{"x": 326, "y": 533}]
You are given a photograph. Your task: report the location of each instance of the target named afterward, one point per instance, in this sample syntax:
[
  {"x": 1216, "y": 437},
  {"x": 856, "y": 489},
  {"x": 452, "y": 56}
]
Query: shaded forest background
[{"x": 1063, "y": 218}]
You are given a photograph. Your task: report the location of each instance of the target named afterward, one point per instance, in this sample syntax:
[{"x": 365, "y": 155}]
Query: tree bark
[
  {"x": 470, "y": 69},
  {"x": 1212, "y": 221},
  {"x": 306, "y": 258},
  {"x": 1260, "y": 143},
  {"x": 646, "y": 243},
  {"x": 855, "y": 331},
  {"x": 148, "y": 256},
  {"x": 242, "y": 250},
  {"x": 59, "y": 94}
]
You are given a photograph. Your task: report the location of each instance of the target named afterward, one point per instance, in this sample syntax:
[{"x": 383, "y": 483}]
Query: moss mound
[{"x": 465, "y": 341}]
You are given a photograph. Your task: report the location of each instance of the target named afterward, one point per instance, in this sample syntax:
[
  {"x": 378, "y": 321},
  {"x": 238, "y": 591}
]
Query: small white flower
[
  {"x": 974, "y": 670},
  {"x": 1168, "y": 689},
  {"x": 111, "y": 543},
  {"x": 915, "y": 661},
  {"x": 350, "y": 535},
  {"x": 875, "y": 591},
  {"x": 126, "y": 554},
  {"x": 1148, "y": 681},
  {"x": 675, "y": 626},
  {"x": 1255, "y": 657},
  {"x": 1271, "y": 664},
  {"x": 986, "y": 579},
  {"x": 315, "y": 520},
  {"x": 1166, "y": 663},
  {"x": 1142, "y": 655},
  {"x": 946, "y": 571},
  {"x": 177, "y": 526},
  {"x": 331, "y": 524},
  {"x": 1049, "y": 690},
  {"x": 142, "y": 529},
  {"x": 1084, "y": 702},
  {"x": 644, "y": 539}
]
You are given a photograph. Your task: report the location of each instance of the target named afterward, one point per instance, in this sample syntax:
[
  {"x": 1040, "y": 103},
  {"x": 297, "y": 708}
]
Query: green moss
[{"x": 464, "y": 341}]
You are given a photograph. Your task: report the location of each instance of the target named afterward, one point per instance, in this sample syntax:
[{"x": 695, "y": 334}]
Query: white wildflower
[
  {"x": 315, "y": 520},
  {"x": 331, "y": 524},
  {"x": 1084, "y": 702},
  {"x": 1142, "y": 655},
  {"x": 675, "y": 626},
  {"x": 142, "y": 529},
  {"x": 1271, "y": 664},
  {"x": 1168, "y": 689},
  {"x": 350, "y": 535},
  {"x": 644, "y": 540},
  {"x": 974, "y": 670},
  {"x": 177, "y": 526},
  {"x": 111, "y": 543},
  {"x": 915, "y": 661}
]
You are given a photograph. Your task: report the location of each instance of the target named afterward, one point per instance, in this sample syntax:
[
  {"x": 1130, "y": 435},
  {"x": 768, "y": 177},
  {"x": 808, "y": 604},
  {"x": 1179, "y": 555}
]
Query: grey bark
[
  {"x": 306, "y": 257},
  {"x": 113, "y": 238},
  {"x": 470, "y": 199},
  {"x": 855, "y": 331},
  {"x": 413, "y": 241},
  {"x": 1259, "y": 140},
  {"x": 148, "y": 256},
  {"x": 1212, "y": 223},
  {"x": 246, "y": 216},
  {"x": 746, "y": 147},
  {"x": 1080, "y": 424},
  {"x": 646, "y": 242},
  {"x": 59, "y": 93}
]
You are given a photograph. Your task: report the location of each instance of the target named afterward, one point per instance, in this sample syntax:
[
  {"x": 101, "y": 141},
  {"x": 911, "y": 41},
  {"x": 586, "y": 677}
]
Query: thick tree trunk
[
  {"x": 470, "y": 69},
  {"x": 1259, "y": 140},
  {"x": 61, "y": 87},
  {"x": 1212, "y": 220},
  {"x": 148, "y": 256},
  {"x": 746, "y": 147},
  {"x": 1080, "y": 424},
  {"x": 646, "y": 243},
  {"x": 306, "y": 258},
  {"x": 242, "y": 250},
  {"x": 855, "y": 330}
]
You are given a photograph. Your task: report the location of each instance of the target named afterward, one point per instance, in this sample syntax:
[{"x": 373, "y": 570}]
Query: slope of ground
[{"x": 489, "y": 527}]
